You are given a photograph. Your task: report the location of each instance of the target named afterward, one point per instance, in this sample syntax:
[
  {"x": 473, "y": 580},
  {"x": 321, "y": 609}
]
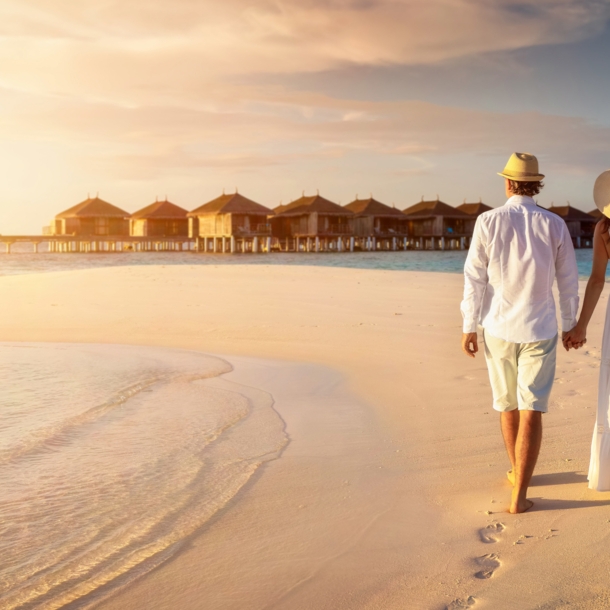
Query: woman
[{"x": 599, "y": 467}]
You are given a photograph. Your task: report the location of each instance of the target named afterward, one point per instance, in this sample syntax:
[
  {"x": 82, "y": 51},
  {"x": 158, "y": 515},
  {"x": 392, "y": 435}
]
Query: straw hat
[
  {"x": 522, "y": 167},
  {"x": 601, "y": 193}
]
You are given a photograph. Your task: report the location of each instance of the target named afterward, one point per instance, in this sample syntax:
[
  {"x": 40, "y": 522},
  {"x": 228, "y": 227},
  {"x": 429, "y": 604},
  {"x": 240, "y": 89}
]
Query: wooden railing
[
  {"x": 336, "y": 230},
  {"x": 260, "y": 229}
]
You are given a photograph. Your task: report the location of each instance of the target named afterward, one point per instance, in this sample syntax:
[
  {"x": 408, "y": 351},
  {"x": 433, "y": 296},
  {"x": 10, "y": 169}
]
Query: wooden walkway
[
  {"x": 128, "y": 243},
  {"x": 100, "y": 243},
  {"x": 258, "y": 244}
]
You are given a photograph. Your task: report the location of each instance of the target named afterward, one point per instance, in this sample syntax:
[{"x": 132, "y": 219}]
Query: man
[{"x": 517, "y": 251}]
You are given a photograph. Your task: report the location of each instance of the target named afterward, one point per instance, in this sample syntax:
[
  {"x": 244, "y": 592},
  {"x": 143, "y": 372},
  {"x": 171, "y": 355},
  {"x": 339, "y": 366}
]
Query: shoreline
[
  {"x": 394, "y": 336},
  {"x": 277, "y": 557}
]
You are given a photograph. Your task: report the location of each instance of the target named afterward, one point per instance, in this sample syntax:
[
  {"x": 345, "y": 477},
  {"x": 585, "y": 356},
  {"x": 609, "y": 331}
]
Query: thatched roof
[
  {"x": 231, "y": 204},
  {"x": 596, "y": 214},
  {"x": 93, "y": 207},
  {"x": 161, "y": 210},
  {"x": 474, "y": 209},
  {"x": 567, "y": 212},
  {"x": 372, "y": 207},
  {"x": 307, "y": 205},
  {"x": 429, "y": 209}
]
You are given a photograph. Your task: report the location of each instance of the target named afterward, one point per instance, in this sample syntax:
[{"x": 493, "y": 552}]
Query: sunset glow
[{"x": 400, "y": 98}]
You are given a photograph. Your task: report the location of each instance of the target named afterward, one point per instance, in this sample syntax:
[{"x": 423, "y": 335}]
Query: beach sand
[{"x": 392, "y": 492}]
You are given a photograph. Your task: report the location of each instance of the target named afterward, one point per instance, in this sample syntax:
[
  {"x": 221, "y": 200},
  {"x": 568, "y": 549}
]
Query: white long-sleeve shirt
[{"x": 516, "y": 253}]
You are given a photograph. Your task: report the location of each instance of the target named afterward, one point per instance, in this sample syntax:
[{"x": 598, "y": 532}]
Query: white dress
[{"x": 599, "y": 467}]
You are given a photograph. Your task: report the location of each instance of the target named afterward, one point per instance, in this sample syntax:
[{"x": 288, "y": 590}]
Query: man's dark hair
[{"x": 526, "y": 189}]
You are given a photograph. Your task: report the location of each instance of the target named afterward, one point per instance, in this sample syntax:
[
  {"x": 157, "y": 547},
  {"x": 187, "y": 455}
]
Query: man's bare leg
[
  {"x": 509, "y": 422},
  {"x": 527, "y": 448}
]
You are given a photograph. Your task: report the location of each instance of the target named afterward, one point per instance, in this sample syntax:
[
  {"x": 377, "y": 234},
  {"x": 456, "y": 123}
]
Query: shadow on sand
[
  {"x": 558, "y": 478},
  {"x": 552, "y": 504},
  {"x": 562, "y": 478}
]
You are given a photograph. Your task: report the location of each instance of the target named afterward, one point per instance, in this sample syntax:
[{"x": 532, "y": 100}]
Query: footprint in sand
[
  {"x": 492, "y": 533},
  {"x": 458, "y": 604},
  {"x": 489, "y": 564}
]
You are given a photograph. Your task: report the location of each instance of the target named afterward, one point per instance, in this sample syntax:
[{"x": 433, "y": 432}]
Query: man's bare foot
[
  {"x": 520, "y": 507},
  {"x": 510, "y": 475}
]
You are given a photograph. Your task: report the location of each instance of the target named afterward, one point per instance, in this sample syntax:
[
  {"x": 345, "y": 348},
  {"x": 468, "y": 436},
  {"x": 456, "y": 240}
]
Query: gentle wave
[
  {"x": 112, "y": 481},
  {"x": 52, "y": 436}
]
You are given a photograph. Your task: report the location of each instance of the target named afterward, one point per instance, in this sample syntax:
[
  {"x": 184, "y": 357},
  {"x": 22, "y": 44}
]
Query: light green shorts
[{"x": 521, "y": 374}]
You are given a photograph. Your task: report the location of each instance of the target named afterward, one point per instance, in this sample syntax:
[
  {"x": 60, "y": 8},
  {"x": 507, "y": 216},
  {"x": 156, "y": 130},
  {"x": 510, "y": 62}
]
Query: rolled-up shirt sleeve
[
  {"x": 566, "y": 272},
  {"x": 475, "y": 279}
]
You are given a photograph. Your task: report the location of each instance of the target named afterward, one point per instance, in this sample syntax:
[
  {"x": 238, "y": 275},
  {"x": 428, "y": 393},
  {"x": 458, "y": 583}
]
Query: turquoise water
[{"x": 448, "y": 262}]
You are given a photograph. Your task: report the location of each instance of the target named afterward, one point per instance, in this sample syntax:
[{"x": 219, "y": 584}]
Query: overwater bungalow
[
  {"x": 580, "y": 224},
  {"x": 596, "y": 214},
  {"x": 91, "y": 217},
  {"x": 159, "y": 219},
  {"x": 377, "y": 225},
  {"x": 474, "y": 210},
  {"x": 435, "y": 225},
  {"x": 313, "y": 224},
  {"x": 231, "y": 223}
]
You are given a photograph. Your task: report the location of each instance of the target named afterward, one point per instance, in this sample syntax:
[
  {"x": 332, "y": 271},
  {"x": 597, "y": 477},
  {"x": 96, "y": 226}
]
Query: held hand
[
  {"x": 574, "y": 338},
  {"x": 470, "y": 345}
]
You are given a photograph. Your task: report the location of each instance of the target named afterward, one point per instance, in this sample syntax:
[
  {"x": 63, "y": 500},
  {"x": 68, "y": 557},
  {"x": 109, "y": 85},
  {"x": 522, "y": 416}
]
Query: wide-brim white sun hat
[
  {"x": 522, "y": 167},
  {"x": 601, "y": 193}
]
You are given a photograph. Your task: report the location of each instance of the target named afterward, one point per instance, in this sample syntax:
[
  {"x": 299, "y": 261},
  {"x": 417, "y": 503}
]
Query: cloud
[
  {"x": 262, "y": 127},
  {"x": 139, "y": 52},
  {"x": 139, "y": 93}
]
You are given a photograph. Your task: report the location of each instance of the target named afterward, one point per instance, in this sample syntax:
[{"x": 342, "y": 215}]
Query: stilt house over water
[
  {"x": 231, "y": 223},
  {"x": 160, "y": 219},
  {"x": 377, "y": 225},
  {"x": 580, "y": 224},
  {"x": 435, "y": 225},
  {"x": 93, "y": 216},
  {"x": 312, "y": 224},
  {"x": 474, "y": 210}
]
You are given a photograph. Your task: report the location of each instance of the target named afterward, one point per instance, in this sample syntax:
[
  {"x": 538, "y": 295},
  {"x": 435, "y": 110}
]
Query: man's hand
[
  {"x": 574, "y": 338},
  {"x": 470, "y": 345}
]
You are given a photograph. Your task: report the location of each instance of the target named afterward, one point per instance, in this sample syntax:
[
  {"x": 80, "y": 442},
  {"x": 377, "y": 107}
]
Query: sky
[{"x": 136, "y": 100}]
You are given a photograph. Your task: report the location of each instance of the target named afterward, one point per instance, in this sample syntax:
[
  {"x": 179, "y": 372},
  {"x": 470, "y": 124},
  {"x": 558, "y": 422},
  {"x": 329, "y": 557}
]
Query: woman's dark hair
[{"x": 526, "y": 189}]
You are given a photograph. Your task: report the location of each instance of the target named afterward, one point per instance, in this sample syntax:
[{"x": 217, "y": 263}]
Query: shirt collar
[{"x": 520, "y": 200}]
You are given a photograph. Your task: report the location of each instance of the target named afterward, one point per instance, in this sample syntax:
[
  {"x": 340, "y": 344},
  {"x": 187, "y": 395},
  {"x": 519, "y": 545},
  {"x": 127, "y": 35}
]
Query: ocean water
[
  {"x": 110, "y": 457},
  {"x": 412, "y": 260}
]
